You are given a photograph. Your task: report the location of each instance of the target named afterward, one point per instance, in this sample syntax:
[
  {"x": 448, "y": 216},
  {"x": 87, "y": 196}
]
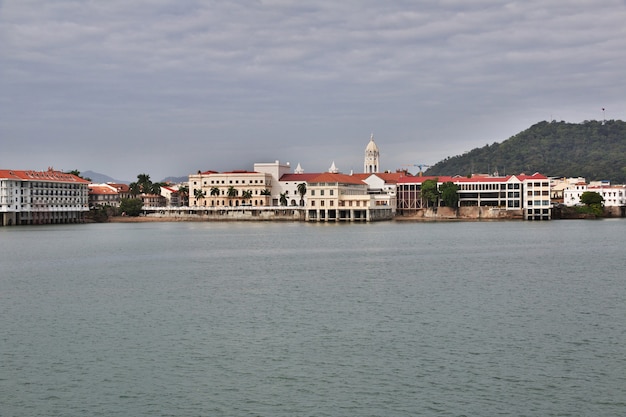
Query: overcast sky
[{"x": 167, "y": 87}]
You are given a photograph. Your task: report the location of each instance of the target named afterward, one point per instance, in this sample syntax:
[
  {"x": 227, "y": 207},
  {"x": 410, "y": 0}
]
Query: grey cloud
[{"x": 236, "y": 78}]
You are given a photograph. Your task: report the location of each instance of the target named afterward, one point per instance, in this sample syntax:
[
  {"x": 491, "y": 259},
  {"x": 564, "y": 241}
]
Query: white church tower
[{"x": 372, "y": 164}]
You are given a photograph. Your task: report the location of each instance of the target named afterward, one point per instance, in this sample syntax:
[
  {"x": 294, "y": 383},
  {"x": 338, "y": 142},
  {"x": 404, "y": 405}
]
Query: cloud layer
[{"x": 168, "y": 87}]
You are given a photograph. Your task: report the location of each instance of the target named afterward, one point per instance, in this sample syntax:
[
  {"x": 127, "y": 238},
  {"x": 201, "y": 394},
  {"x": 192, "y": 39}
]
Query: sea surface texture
[{"x": 292, "y": 319}]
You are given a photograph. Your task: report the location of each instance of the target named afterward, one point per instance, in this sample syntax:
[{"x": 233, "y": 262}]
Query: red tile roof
[
  {"x": 338, "y": 178},
  {"x": 299, "y": 177},
  {"x": 477, "y": 178},
  {"x": 101, "y": 189},
  {"x": 50, "y": 175},
  {"x": 388, "y": 177}
]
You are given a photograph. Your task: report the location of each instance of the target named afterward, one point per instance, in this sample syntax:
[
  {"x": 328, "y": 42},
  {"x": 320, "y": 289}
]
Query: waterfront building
[
  {"x": 527, "y": 194},
  {"x": 230, "y": 189},
  {"x": 171, "y": 196},
  {"x": 42, "y": 197},
  {"x": 382, "y": 186},
  {"x": 340, "y": 197},
  {"x": 289, "y": 185},
  {"x": 614, "y": 195},
  {"x": 101, "y": 195},
  {"x": 277, "y": 170}
]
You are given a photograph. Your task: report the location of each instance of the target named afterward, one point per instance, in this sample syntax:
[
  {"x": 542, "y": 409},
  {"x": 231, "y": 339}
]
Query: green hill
[{"x": 592, "y": 149}]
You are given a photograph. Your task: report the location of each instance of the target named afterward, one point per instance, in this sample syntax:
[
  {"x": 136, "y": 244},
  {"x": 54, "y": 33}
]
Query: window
[
  {"x": 312, "y": 192},
  {"x": 332, "y": 192},
  {"x": 321, "y": 192}
]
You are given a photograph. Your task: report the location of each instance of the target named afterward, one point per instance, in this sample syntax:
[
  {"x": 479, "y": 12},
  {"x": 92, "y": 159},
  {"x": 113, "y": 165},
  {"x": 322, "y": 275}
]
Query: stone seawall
[{"x": 464, "y": 213}]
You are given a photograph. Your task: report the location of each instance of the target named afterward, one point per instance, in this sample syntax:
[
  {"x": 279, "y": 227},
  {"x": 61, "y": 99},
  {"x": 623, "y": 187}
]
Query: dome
[{"x": 371, "y": 147}]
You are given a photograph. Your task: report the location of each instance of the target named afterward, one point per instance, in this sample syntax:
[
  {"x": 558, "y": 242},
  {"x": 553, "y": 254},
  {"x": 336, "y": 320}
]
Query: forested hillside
[{"x": 592, "y": 149}]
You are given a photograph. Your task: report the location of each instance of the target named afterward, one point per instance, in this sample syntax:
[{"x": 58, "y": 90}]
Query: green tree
[
  {"x": 215, "y": 192},
  {"x": 590, "y": 198},
  {"x": 247, "y": 195},
  {"x": 183, "y": 193},
  {"x": 231, "y": 193},
  {"x": 283, "y": 199},
  {"x": 144, "y": 183},
  {"x": 134, "y": 189},
  {"x": 155, "y": 188},
  {"x": 449, "y": 194},
  {"x": 302, "y": 192},
  {"x": 593, "y": 202},
  {"x": 266, "y": 194},
  {"x": 199, "y": 195},
  {"x": 131, "y": 206},
  {"x": 430, "y": 191}
]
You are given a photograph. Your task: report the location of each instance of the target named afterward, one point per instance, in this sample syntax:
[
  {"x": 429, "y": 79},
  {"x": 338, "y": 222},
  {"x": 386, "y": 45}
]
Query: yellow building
[{"x": 230, "y": 189}]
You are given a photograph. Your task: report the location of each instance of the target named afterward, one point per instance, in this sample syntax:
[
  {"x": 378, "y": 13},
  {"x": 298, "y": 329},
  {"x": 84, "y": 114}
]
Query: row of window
[
  {"x": 341, "y": 203},
  {"x": 330, "y": 192},
  {"x": 217, "y": 182}
]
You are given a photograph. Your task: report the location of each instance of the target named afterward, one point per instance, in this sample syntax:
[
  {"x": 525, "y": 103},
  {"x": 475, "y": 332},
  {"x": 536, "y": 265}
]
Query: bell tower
[{"x": 372, "y": 163}]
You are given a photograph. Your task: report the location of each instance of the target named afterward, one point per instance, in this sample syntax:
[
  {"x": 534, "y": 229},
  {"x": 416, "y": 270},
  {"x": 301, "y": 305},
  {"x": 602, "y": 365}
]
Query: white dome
[{"x": 371, "y": 147}]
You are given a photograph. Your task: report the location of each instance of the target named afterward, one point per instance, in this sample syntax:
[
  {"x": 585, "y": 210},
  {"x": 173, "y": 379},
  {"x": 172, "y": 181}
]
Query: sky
[{"x": 170, "y": 87}]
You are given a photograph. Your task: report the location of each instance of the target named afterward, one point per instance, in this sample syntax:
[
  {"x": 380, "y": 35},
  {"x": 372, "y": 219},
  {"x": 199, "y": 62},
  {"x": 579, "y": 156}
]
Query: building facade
[
  {"x": 334, "y": 197},
  {"x": 42, "y": 197},
  {"x": 230, "y": 189},
  {"x": 527, "y": 194},
  {"x": 613, "y": 195}
]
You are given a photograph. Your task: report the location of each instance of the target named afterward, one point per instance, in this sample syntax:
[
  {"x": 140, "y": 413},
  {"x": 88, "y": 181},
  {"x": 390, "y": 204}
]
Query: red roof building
[{"x": 42, "y": 197}]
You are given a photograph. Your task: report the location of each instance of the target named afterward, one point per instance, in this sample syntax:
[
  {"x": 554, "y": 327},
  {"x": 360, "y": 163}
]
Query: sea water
[{"x": 293, "y": 319}]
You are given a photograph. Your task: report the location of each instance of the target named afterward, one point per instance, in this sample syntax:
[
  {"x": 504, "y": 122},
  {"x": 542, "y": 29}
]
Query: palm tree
[
  {"x": 232, "y": 193},
  {"x": 199, "y": 194},
  {"x": 155, "y": 188},
  {"x": 266, "y": 193},
  {"x": 183, "y": 192},
  {"x": 283, "y": 199},
  {"x": 144, "y": 183},
  {"x": 302, "y": 192},
  {"x": 247, "y": 195},
  {"x": 214, "y": 193},
  {"x": 134, "y": 189}
]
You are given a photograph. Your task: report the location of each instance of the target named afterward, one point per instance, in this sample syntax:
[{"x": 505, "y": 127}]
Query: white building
[
  {"x": 527, "y": 194},
  {"x": 276, "y": 170},
  {"x": 42, "y": 197},
  {"x": 614, "y": 195}
]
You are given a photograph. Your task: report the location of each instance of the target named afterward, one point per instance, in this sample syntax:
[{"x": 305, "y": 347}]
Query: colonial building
[
  {"x": 277, "y": 171},
  {"x": 42, "y": 197},
  {"x": 613, "y": 195},
  {"x": 171, "y": 195},
  {"x": 230, "y": 189},
  {"x": 382, "y": 186},
  {"x": 101, "y": 195},
  {"x": 340, "y": 197},
  {"x": 289, "y": 184}
]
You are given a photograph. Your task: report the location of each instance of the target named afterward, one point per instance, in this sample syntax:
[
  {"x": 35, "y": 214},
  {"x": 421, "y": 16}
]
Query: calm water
[{"x": 273, "y": 319}]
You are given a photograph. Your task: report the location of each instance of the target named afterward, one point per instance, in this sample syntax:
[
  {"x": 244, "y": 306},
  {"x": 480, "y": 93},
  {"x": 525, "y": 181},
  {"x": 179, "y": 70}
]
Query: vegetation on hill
[{"x": 594, "y": 150}]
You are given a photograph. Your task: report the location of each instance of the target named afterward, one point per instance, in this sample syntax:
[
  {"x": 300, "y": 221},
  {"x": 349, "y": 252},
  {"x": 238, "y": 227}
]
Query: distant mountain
[
  {"x": 101, "y": 178},
  {"x": 176, "y": 180},
  {"x": 594, "y": 150}
]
